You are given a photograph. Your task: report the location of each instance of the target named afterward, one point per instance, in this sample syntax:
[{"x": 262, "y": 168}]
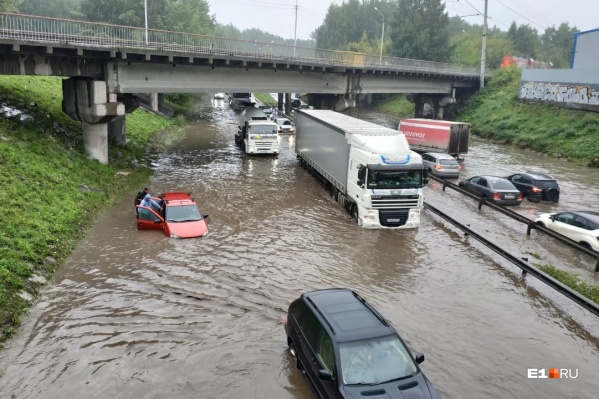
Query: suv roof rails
[
  {"x": 321, "y": 315},
  {"x": 373, "y": 310}
]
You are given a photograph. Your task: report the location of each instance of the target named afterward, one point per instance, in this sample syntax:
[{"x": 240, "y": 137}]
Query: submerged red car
[{"x": 178, "y": 217}]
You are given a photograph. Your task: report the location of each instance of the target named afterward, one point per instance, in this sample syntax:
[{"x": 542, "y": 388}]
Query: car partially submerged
[
  {"x": 580, "y": 226},
  {"x": 178, "y": 217}
]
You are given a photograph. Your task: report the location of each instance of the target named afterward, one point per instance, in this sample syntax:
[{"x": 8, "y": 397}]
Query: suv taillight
[
  {"x": 536, "y": 190},
  {"x": 439, "y": 167},
  {"x": 520, "y": 196},
  {"x": 496, "y": 196}
]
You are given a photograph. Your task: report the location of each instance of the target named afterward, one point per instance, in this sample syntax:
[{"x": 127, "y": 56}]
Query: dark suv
[
  {"x": 346, "y": 349},
  {"x": 536, "y": 187}
]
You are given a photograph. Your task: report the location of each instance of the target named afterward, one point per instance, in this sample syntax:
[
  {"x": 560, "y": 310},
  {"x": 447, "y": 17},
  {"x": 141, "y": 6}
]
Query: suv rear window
[{"x": 546, "y": 184}]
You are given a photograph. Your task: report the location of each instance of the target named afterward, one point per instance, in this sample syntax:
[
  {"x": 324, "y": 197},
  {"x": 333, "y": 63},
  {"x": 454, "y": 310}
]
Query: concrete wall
[
  {"x": 586, "y": 46},
  {"x": 577, "y": 89}
]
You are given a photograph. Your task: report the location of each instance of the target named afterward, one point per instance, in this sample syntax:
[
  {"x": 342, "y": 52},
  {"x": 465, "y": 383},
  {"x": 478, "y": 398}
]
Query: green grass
[
  {"x": 571, "y": 280},
  {"x": 497, "y": 114},
  {"x": 42, "y": 163},
  {"x": 265, "y": 98},
  {"x": 397, "y": 105}
]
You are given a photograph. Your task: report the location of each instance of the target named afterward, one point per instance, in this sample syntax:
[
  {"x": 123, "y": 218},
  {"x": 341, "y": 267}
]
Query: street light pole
[
  {"x": 295, "y": 41},
  {"x": 483, "y": 54},
  {"x": 146, "y": 18},
  {"x": 382, "y": 36}
]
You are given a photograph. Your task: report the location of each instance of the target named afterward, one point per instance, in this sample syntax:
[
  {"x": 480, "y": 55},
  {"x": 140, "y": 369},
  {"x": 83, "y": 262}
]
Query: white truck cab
[{"x": 257, "y": 134}]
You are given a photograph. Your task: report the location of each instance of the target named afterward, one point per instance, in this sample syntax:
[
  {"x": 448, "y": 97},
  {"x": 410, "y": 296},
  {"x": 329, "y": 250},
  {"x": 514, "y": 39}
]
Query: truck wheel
[{"x": 354, "y": 213}]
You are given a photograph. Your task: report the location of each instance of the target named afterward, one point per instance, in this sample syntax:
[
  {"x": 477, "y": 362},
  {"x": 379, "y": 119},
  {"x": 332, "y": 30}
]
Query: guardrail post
[
  {"x": 531, "y": 225},
  {"x": 597, "y": 265},
  {"x": 480, "y": 203},
  {"x": 444, "y": 184}
]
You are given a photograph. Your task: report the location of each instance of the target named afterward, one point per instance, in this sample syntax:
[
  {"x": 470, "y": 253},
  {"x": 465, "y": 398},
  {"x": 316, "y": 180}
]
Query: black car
[
  {"x": 494, "y": 189},
  {"x": 536, "y": 187},
  {"x": 346, "y": 349}
]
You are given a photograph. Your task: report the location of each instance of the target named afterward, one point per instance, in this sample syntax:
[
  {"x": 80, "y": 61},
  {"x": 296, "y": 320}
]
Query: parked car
[
  {"x": 179, "y": 216},
  {"x": 495, "y": 189},
  {"x": 536, "y": 187},
  {"x": 442, "y": 165},
  {"x": 284, "y": 125},
  {"x": 345, "y": 348},
  {"x": 580, "y": 226},
  {"x": 219, "y": 96}
]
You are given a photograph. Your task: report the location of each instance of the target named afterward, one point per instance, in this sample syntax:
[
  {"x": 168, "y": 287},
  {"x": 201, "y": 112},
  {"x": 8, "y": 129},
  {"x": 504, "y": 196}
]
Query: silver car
[{"x": 441, "y": 165}]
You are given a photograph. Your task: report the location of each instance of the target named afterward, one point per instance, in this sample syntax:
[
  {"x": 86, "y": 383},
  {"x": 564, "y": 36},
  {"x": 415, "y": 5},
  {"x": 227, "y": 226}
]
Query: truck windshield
[
  {"x": 264, "y": 129},
  {"x": 394, "y": 179}
]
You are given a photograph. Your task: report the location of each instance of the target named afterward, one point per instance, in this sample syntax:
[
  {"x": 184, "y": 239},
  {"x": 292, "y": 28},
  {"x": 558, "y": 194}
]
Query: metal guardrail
[
  {"x": 526, "y": 268},
  {"x": 29, "y": 28},
  {"x": 522, "y": 219}
]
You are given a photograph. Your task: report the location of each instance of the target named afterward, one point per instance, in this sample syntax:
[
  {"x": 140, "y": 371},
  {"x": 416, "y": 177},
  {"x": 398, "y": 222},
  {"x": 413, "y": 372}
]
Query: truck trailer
[
  {"x": 368, "y": 168},
  {"x": 256, "y": 134},
  {"x": 428, "y": 135}
]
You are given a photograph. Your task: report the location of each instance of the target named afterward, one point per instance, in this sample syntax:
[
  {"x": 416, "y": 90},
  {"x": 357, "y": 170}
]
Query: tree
[
  {"x": 467, "y": 49},
  {"x": 557, "y": 45},
  {"x": 8, "y": 5},
  {"x": 525, "y": 40},
  {"x": 54, "y": 8},
  {"x": 420, "y": 30}
]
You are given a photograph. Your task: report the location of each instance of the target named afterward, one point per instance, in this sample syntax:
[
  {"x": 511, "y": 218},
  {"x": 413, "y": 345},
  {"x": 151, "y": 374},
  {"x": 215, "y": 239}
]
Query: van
[
  {"x": 346, "y": 349},
  {"x": 441, "y": 165}
]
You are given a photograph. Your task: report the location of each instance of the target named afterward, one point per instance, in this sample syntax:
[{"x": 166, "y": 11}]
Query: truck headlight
[
  {"x": 414, "y": 215},
  {"x": 369, "y": 216}
]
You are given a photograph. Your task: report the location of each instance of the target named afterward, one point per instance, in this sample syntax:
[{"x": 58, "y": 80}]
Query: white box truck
[
  {"x": 256, "y": 133},
  {"x": 368, "y": 168}
]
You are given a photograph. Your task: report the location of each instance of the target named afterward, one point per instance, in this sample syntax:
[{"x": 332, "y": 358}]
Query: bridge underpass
[{"x": 106, "y": 64}]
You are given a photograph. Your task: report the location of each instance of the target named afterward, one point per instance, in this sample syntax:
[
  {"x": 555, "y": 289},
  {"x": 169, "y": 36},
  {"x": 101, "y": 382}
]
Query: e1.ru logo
[{"x": 553, "y": 373}]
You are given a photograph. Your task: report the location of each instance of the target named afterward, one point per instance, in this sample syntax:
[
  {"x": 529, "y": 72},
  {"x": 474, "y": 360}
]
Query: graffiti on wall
[{"x": 560, "y": 93}]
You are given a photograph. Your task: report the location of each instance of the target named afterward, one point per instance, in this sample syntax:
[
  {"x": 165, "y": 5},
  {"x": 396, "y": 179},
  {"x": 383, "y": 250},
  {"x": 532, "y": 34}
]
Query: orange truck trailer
[{"x": 429, "y": 135}]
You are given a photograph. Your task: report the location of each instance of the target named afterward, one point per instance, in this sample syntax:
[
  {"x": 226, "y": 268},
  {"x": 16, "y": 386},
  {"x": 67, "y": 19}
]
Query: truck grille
[
  {"x": 395, "y": 201},
  {"x": 266, "y": 145},
  {"x": 393, "y": 218}
]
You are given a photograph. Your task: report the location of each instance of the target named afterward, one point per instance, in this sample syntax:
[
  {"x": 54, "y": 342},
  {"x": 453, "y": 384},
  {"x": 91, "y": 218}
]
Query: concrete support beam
[
  {"x": 287, "y": 103},
  {"x": 86, "y": 100},
  {"x": 154, "y": 102},
  {"x": 95, "y": 141},
  {"x": 280, "y": 101},
  {"x": 116, "y": 131}
]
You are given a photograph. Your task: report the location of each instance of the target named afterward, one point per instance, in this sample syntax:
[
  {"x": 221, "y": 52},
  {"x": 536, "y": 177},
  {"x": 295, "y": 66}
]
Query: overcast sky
[{"x": 278, "y": 16}]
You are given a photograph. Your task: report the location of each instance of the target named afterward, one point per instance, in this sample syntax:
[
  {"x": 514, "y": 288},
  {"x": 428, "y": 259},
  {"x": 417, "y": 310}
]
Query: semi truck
[
  {"x": 368, "y": 168},
  {"x": 240, "y": 101},
  {"x": 428, "y": 135},
  {"x": 256, "y": 133}
]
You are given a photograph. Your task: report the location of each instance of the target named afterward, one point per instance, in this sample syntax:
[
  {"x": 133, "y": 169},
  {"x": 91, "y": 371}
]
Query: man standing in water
[{"x": 141, "y": 195}]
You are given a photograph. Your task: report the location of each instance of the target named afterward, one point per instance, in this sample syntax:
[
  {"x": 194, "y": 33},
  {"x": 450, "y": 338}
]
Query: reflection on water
[{"x": 136, "y": 314}]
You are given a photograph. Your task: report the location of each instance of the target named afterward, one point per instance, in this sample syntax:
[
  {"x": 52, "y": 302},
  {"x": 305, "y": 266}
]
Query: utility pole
[
  {"x": 146, "y": 18},
  {"x": 295, "y": 41},
  {"x": 382, "y": 36},
  {"x": 483, "y": 55}
]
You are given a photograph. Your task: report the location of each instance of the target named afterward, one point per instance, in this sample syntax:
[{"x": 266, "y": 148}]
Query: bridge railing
[{"x": 30, "y": 28}]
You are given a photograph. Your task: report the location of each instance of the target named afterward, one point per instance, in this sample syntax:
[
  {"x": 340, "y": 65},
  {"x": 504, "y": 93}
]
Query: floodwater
[{"x": 134, "y": 314}]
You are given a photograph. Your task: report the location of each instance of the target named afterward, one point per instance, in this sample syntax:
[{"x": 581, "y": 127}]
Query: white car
[
  {"x": 580, "y": 226},
  {"x": 219, "y": 96},
  {"x": 284, "y": 125}
]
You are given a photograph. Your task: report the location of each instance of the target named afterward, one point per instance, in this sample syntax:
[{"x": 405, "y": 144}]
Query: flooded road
[{"x": 135, "y": 314}]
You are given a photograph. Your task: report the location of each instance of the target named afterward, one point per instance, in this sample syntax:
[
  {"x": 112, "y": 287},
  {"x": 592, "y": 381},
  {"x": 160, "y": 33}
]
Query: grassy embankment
[
  {"x": 265, "y": 98},
  {"x": 497, "y": 114},
  {"x": 45, "y": 208}
]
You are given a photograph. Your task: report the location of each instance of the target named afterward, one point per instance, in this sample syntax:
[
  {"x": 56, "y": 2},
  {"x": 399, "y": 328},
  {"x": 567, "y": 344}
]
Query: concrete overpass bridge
[{"x": 107, "y": 64}]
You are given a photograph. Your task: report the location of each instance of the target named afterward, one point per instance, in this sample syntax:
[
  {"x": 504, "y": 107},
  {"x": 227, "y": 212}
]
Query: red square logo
[{"x": 553, "y": 373}]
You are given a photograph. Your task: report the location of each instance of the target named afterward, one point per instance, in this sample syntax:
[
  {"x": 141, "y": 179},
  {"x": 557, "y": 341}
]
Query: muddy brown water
[{"x": 138, "y": 315}]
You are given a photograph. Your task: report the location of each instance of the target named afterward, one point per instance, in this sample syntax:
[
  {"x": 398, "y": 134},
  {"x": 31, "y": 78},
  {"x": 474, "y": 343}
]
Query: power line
[{"x": 517, "y": 13}]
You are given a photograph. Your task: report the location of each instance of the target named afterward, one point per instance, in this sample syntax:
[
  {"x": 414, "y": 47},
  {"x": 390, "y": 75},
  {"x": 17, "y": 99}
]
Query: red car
[{"x": 179, "y": 216}]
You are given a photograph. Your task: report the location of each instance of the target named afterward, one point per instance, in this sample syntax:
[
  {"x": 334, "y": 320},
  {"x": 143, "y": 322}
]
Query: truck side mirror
[
  {"x": 361, "y": 174},
  {"x": 425, "y": 181},
  {"x": 360, "y": 183},
  {"x": 425, "y": 173}
]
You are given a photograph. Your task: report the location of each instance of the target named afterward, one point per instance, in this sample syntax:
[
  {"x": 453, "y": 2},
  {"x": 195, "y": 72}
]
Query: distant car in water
[
  {"x": 536, "y": 187},
  {"x": 284, "y": 125},
  {"x": 179, "y": 216},
  {"x": 493, "y": 188},
  {"x": 580, "y": 226},
  {"x": 442, "y": 165},
  {"x": 267, "y": 109},
  {"x": 219, "y": 96}
]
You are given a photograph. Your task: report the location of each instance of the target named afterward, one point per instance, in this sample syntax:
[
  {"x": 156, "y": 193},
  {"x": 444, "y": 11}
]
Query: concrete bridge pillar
[
  {"x": 154, "y": 102},
  {"x": 287, "y": 103},
  {"x": 86, "y": 100},
  {"x": 280, "y": 101}
]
